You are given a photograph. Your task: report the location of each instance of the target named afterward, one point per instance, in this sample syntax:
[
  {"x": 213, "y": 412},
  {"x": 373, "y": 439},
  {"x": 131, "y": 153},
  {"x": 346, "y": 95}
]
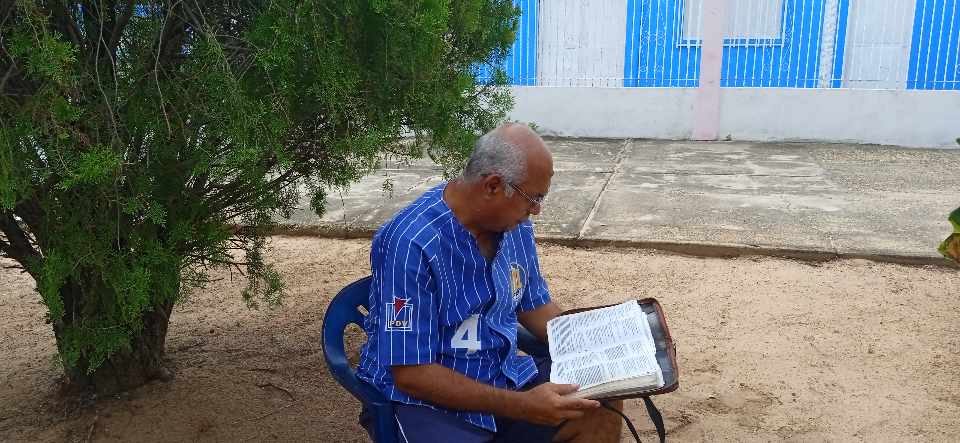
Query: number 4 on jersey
[{"x": 467, "y": 335}]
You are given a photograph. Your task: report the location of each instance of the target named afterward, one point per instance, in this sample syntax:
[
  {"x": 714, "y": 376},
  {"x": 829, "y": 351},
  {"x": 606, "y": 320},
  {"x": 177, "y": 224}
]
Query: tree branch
[
  {"x": 171, "y": 31},
  {"x": 17, "y": 244},
  {"x": 29, "y": 210},
  {"x": 6, "y": 9},
  {"x": 3, "y": 81},
  {"x": 118, "y": 28},
  {"x": 91, "y": 25},
  {"x": 65, "y": 23}
]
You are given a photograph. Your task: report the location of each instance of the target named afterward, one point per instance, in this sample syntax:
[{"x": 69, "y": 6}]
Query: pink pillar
[{"x": 706, "y": 107}]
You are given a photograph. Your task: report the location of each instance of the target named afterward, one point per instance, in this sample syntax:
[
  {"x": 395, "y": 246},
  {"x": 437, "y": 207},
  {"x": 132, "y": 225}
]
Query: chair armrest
[{"x": 530, "y": 344}]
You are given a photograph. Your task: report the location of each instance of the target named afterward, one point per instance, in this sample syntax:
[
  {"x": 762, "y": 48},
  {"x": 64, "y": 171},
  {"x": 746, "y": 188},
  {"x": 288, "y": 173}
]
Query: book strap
[
  {"x": 652, "y": 411},
  {"x": 654, "y": 414}
]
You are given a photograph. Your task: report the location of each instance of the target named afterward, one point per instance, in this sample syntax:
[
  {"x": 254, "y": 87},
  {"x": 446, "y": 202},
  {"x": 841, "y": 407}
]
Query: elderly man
[{"x": 453, "y": 273}]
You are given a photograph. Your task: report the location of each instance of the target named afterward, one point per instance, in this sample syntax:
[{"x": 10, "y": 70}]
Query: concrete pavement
[{"x": 804, "y": 200}]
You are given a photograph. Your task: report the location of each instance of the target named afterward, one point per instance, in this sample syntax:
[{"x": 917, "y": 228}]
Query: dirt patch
[{"x": 768, "y": 349}]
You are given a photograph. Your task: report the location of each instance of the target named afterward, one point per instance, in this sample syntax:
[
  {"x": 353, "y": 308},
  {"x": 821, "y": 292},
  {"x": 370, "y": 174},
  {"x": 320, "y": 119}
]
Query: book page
[{"x": 602, "y": 345}]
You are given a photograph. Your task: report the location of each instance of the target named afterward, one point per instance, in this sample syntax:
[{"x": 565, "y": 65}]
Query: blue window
[{"x": 768, "y": 43}]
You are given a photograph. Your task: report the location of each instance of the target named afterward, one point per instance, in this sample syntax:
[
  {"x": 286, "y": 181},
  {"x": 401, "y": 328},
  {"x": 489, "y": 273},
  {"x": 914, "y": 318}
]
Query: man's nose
[{"x": 535, "y": 209}]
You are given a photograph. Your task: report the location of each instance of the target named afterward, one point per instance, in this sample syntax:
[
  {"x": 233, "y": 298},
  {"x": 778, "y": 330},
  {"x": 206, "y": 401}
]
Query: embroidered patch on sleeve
[
  {"x": 518, "y": 278},
  {"x": 399, "y": 315}
]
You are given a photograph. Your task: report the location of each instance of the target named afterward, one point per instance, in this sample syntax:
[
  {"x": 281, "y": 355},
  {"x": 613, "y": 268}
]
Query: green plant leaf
[
  {"x": 950, "y": 248},
  {"x": 144, "y": 160}
]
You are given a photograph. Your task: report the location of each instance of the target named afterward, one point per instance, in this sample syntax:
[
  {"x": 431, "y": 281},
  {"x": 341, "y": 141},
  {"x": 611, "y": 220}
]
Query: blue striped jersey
[{"x": 435, "y": 298}]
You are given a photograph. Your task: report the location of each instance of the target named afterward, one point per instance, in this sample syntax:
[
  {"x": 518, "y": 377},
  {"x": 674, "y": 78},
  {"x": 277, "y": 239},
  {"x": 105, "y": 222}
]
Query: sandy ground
[{"x": 769, "y": 350}]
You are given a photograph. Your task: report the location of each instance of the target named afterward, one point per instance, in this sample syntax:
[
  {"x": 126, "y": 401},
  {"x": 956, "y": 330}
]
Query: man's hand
[{"x": 546, "y": 404}]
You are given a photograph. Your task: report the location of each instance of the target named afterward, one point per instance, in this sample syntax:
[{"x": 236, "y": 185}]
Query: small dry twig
[
  {"x": 263, "y": 385},
  {"x": 93, "y": 426}
]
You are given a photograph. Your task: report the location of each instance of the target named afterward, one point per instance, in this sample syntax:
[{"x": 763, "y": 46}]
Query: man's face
[{"x": 526, "y": 198}]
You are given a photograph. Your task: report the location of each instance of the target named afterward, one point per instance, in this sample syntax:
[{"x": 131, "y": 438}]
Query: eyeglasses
[{"x": 538, "y": 202}]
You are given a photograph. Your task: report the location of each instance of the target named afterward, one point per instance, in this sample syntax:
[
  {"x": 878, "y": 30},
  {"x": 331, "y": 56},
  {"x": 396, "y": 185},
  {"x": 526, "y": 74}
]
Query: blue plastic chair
[{"x": 344, "y": 309}]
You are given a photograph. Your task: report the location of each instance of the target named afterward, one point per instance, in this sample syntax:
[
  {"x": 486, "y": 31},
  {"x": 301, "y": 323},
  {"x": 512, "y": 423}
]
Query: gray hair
[{"x": 493, "y": 154}]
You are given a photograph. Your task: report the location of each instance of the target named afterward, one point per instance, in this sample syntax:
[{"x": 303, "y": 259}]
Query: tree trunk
[{"x": 125, "y": 369}]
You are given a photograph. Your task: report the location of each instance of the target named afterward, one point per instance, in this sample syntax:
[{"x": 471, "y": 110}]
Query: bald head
[
  {"x": 521, "y": 135},
  {"x": 505, "y": 182},
  {"x": 510, "y": 151}
]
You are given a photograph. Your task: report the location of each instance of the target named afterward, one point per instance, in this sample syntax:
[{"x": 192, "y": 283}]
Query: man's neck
[{"x": 455, "y": 195}]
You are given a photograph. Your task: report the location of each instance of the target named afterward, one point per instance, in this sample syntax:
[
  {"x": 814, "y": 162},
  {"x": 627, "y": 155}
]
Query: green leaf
[
  {"x": 97, "y": 166},
  {"x": 53, "y": 273},
  {"x": 64, "y": 111},
  {"x": 950, "y": 248}
]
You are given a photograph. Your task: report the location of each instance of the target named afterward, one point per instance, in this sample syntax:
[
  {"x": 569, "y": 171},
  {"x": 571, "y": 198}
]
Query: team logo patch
[
  {"x": 400, "y": 315},
  {"x": 518, "y": 278}
]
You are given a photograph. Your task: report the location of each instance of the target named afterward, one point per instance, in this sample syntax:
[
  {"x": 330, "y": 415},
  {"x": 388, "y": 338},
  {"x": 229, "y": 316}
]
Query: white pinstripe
[{"x": 400, "y": 427}]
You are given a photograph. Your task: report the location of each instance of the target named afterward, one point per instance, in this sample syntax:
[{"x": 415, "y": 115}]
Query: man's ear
[{"x": 491, "y": 185}]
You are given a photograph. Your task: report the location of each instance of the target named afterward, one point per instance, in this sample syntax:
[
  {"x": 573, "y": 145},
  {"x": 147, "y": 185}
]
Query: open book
[{"x": 609, "y": 352}]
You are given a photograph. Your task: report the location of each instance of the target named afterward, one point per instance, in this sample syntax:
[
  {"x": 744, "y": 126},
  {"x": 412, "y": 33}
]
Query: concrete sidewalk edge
[{"x": 696, "y": 249}]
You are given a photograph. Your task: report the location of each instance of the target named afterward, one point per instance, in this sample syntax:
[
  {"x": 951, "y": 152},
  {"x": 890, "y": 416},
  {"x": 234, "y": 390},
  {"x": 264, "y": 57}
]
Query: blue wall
[
  {"x": 933, "y": 50},
  {"x": 653, "y": 55},
  {"x": 840, "y": 44},
  {"x": 657, "y": 54},
  {"x": 520, "y": 64}
]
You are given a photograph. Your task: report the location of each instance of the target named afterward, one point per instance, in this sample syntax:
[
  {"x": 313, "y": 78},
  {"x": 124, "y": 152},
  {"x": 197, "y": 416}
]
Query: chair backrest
[{"x": 344, "y": 310}]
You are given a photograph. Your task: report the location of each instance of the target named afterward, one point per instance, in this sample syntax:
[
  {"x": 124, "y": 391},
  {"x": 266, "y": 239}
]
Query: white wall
[
  {"x": 905, "y": 118},
  {"x": 607, "y": 112}
]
